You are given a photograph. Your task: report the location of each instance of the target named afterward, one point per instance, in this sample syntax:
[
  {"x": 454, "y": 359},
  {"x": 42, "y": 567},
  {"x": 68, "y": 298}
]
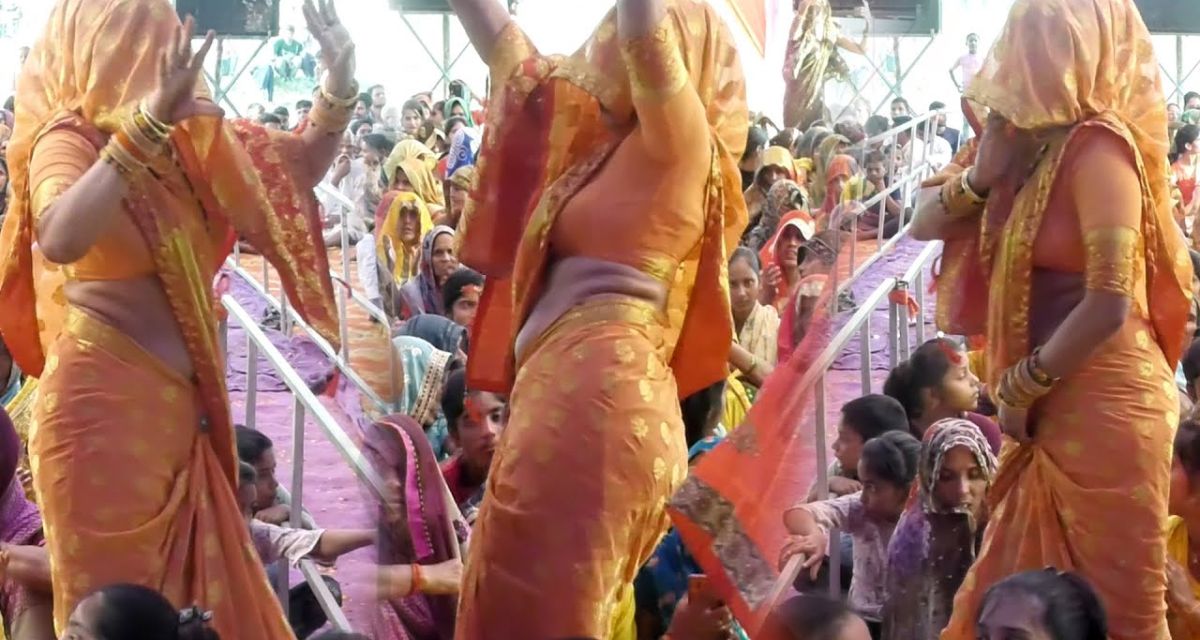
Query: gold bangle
[
  {"x": 335, "y": 101},
  {"x": 1036, "y": 371},
  {"x": 159, "y": 126},
  {"x": 330, "y": 119},
  {"x": 118, "y": 158},
  {"x": 147, "y": 144},
  {"x": 968, "y": 191}
]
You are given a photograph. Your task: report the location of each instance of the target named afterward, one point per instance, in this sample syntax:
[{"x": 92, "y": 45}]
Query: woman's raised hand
[
  {"x": 337, "y": 49},
  {"x": 174, "y": 99}
]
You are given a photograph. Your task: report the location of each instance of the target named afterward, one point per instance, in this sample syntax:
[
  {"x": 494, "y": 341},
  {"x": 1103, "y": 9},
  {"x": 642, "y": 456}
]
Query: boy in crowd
[
  {"x": 272, "y": 503},
  {"x": 475, "y": 420},
  {"x": 862, "y": 419}
]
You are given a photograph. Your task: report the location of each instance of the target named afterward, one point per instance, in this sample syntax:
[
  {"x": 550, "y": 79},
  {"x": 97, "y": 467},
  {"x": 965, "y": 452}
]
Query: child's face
[
  {"x": 883, "y": 500},
  {"x": 247, "y": 496},
  {"x": 847, "y": 448}
]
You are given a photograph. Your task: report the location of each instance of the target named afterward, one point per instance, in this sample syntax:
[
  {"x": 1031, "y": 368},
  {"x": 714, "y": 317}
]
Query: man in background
[
  {"x": 968, "y": 65},
  {"x": 943, "y": 131}
]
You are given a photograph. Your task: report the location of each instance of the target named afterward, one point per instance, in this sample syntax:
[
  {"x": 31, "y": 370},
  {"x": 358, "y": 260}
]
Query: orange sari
[
  {"x": 574, "y": 163},
  {"x": 170, "y": 520},
  {"x": 1093, "y": 482}
]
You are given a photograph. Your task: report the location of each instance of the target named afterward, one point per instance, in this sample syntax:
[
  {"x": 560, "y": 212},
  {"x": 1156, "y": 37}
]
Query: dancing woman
[
  {"x": 1087, "y": 304},
  {"x": 621, "y": 302},
  {"x": 813, "y": 58},
  {"x": 128, "y": 185}
]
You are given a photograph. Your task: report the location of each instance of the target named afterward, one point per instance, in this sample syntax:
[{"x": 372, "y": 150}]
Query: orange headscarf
[
  {"x": 840, "y": 166},
  {"x": 552, "y": 123},
  {"x": 1061, "y": 63},
  {"x": 78, "y": 71}
]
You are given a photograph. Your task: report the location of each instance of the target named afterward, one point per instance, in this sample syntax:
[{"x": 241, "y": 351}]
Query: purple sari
[
  {"x": 20, "y": 520},
  {"x": 413, "y": 527}
]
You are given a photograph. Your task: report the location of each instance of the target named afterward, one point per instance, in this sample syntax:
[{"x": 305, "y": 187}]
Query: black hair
[
  {"x": 924, "y": 370},
  {"x": 1187, "y": 445},
  {"x": 873, "y": 415},
  {"x": 756, "y": 139},
  {"x": 1187, "y": 134},
  {"x": 1187, "y": 97},
  {"x": 304, "y": 104},
  {"x": 453, "y": 288},
  {"x": 936, "y": 105},
  {"x": 412, "y": 105},
  {"x": 749, "y": 256},
  {"x": 1191, "y": 364},
  {"x": 454, "y": 398},
  {"x": 458, "y": 89},
  {"x": 874, "y": 156},
  {"x": 812, "y": 139},
  {"x": 900, "y": 100},
  {"x": 133, "y": 611},
  {"x": 282, "y": 112},
  {"x": 785, "y": 139},
  {"x": 877, "y": 125},
  {"x": 892, "y": 457},
  {"x": 698, "y": 409},
  {"x": 365, "y": 98},
  {"x": 1073, "y": 610},
  {"x": 439, "y": 107},
  {"x": 900, "y": 121},
  {"x": 270, "y": 118},
  {"x": 379, "y": 143},
  {"x": 251, "y": 443},
  {"x": 358, "y": 124},
  {"x": 451, "y": 121},
  {"x": 812, "y": 617},
  {"x": 246, "y": 473}
]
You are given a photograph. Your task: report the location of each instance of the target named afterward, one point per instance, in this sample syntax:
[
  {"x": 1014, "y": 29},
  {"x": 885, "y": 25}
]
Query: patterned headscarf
[
  {"x": 784, "y": 196},
  {"x": 462, "y": 151},
  {"x": 424, "y": 371},
  {"x": 422, "y": 294}
]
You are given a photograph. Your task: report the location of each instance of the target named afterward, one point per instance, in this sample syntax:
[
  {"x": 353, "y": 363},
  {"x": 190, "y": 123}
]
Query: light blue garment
[
  {"x": 13, "y": 386},
  {"x": 424, "y": 371}
]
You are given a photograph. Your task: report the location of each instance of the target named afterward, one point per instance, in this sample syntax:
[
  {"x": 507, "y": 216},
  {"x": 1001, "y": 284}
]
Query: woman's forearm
[
  {"x": 755, "y": 371},
  {"x": 934, "y": 222},
  {"x": 29, "y": 565},
  {"x": 800, "y": 521},
  {"x": 638, "y": 18},
  {"x": 321, "y": 146},
  {"x": 483, "y": 20},
  {"x": 335, "y": 543},
  {"x": 395, "y": 581},
  {"x": 1089, "y": 325},
  {"x": 69, "y": 227}
]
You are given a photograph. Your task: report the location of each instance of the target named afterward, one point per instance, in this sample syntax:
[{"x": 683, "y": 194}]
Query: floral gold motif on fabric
[
  {"x": 739, "y": 556},
  {"x": 656, "y": 68},
  {"x": 1113, "y": 256}
]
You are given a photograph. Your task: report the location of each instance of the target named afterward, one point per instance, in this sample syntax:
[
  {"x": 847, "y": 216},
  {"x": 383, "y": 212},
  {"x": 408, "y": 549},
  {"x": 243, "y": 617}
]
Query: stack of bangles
[
  {"x": 1024, "y": 384},
  {"x": 959, "y": 199},
  {"x": 332, "y": 114},
  {"x": 140, "y": 141}
]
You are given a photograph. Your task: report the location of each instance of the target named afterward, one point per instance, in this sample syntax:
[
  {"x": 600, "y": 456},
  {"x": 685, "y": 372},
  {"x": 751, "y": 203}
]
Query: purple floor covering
[{"x": 331, "y": 493}]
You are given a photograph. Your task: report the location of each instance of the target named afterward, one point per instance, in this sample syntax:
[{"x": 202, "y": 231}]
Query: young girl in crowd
[
  {"x": 937, "y": 383},
  {"x": 815, "y": 617},
  {"x": 937, "y": 537},
  {"x": 1185, "y": 159},
  {"x": 886, "y": 469},
  {"x": 124, "y": 611},
  {"x": 1046, "y": 604},
  {"x": 1183, "y": 583}
]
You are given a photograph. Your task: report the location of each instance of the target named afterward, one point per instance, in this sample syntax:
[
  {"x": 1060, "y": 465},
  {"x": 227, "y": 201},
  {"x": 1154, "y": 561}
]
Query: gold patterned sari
[
  {"x": 170, "y": 520},
  {"x": 598, "y": 452},
  {"x": 1093, "y": 482}
]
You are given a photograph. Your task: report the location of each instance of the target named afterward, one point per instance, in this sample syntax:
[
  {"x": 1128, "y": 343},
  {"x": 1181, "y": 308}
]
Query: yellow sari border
[{"x": 92, "y": 332}]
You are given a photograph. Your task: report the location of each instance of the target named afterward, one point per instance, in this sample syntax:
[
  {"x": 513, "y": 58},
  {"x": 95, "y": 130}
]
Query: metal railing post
[
  {"x": 864, "y": 347},
  {"x": 902, "y": 319},
  {"x": 251, "y": 382},
  {"x": 893, "y": 332}
]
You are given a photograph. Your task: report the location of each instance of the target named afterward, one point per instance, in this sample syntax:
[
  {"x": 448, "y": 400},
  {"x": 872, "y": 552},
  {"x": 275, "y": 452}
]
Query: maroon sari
[{"x": 413, "y": 527}]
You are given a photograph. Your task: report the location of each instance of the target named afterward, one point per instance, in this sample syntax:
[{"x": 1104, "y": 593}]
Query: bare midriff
[
  {"x": 138, "y": 308},
  {"x": 577, "y": 280}
]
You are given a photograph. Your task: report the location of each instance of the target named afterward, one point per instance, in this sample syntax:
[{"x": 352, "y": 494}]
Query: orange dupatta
[
  {"x": 241, "y": 174},
  {"x": 554, "y": 121}
]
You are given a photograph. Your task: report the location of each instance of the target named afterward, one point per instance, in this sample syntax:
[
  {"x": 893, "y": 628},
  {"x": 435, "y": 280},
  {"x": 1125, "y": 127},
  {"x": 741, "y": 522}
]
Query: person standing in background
[{"x": 967, "y": 65}]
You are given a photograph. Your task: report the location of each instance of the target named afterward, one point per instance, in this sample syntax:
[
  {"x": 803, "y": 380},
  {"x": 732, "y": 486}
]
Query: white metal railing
[
  {"x": 859, "y": 327},
  {"x": 304, "y": 404},
  {"x": 346, "y": 295},
  {"x": 901, "y": 184}
]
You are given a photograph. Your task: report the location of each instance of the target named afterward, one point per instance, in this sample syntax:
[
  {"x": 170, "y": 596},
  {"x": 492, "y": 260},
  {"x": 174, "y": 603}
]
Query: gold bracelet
[
  {"x": 329, "y": 119},
  {"x": 148, "y": 145},
  {"x": 1037, "y": 372},
  {"x": 968, "y": 191},
  {"x": 159, "y": 126},
  {"x": 116, "y": 157},
  {"x": 335, "y": 101}
]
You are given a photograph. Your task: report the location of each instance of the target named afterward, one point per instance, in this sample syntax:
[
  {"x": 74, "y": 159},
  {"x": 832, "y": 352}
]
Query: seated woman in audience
[
  {"x": 754, "y": 353},
  {"x": 410, "y": 169},
  {"x": 938, "y": 536},
  {"x": 405, "y": 221},
  {"x": 1183, "y": 583},
  {"x": 123, "y": 611},
  {"x": 424, "y": 370},
  {"x": 815, "y": 617},
  {"x": 419, "y": 532},
  {"x": 1039, "y": 604},
  {"x": 841, "y": 170},
  {"x": 26, "y": 607},
  {"x": 886, "y": 469},
  {"x": 777, "y": 165},
  {"x": 819, "y": 257},
  {"x": 863, "y": 419},
  {"x": 784, "y": 196},
  {"x": 459, "y": 186},
  {"x": 782, "y": 255},
  {"x": 423, "y": 294},
  {"x": 441, "y": 332},
  {"x": 937, "y": 383}
]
